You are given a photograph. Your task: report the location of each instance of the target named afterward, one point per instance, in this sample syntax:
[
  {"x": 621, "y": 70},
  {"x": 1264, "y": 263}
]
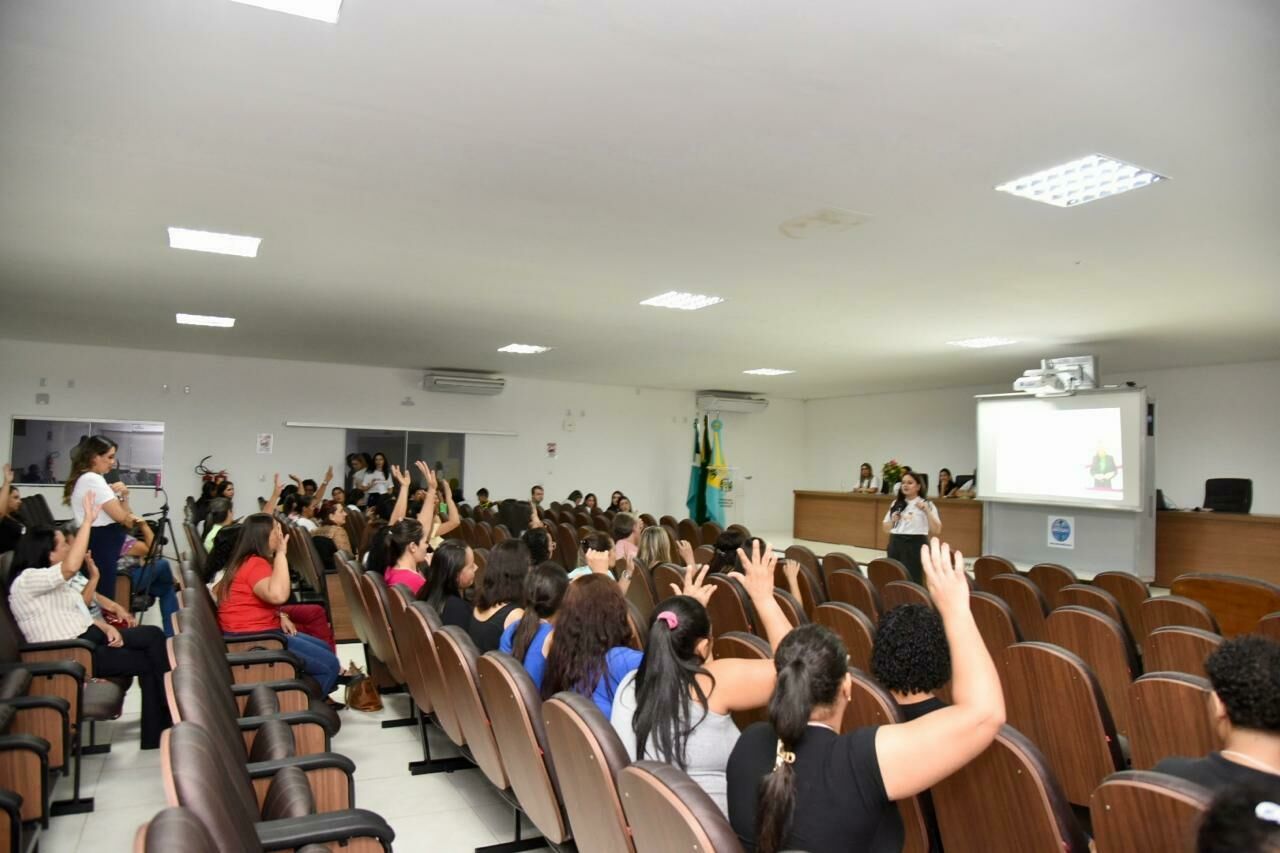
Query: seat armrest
[
  {"x": 23, "y": 703},
  {"x": 292, "y": 718},
  {"x": 264, "y": 656},
  {"x": 263, "y": 637},
  {"x": 68, "y": 667},
  {"x": 55, "y": 645},
  {"x": 316, "y": 761},
  {"x": 292, "y": 833},
  {"x": 282, "y": 684}
]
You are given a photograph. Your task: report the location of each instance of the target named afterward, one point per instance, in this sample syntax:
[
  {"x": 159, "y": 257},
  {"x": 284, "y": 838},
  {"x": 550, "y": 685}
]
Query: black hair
[
  {"x": 900, "y": 501},
  {"x": 310, "y": 482},
  {"x": 219, "y": 513},
  {"x": 379, "y": 551},
  {"x": 594, "y": 541},
  {"x": 535, "y": 488},
  {"x": 543, "y": 591},
  {"x": 910, "y": 654},
  {"x": 590, "y": 496},
  {"x": 254, "y": 541},
  {"x": 538, "y": 541},
  {"x": 207, "y": 489},
  {"x": 1245, "y": 673},
  {"x": 726, "y": 555},
  {"x": 447, "y": 564},
  {"x": 296, "y": 502},
  {"x": 400, "y": 536},
  {"x": 482, "y": 492},
  {"x": 386, "y": 463},
  {"x": 220, "y": 489},
  {"x": 668, "y": 673},
  {"x": 1232, "y": 823},
  {"x": 575, "y": 495},
  {"x": 624, "y": 524},
  {"x": 81, "y": 457},
  {"x": 812, "y": 664},
  {"x": 224, "y": 545},
  {"x": 33, "y": 551},
  {"x": 504, "y": 573}
]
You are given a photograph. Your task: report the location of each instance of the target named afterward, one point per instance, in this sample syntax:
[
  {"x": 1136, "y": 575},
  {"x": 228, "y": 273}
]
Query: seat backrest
[
  {"x": 1084, "y": 595},
  {"x": 601, "y": 523},
  {"x": 1269, "y": 626},
  {"x": 408, "y": 641},
  {"x": 641, "y": 591},
  {"x": 664, "y": 576},
  {"x": 1129, "y": 591},
  {"x": 1051, "y": 577},
  {"x": 1054, "y": 699},
  {"x": 812, "y": 588},
  {"x": 1102, "y": 643},
  {"x": 673, "y": 537},
  {"x": 834, "y": 562},
  {"x": 728, "y": 608},
  {"x": 500, "y": 534},
  {"x": 1178, "y": 649},
  {"x": 791, "y": 608},
  {"x": 1025, "y": 600},
  {"x": 566, "y": 546},
  {"x": 589, "y": 757},
  {"x": 997, "y": 627},
  {"x": 883, "y": 570},
  {"x": 1007, "y": 798},
  {"x": 802, "y": 555},
  {"x": 425, "y": 622},
  {"x": 459, "y": 658},
  {"x": 349, "y": 574},
  {"x": 515, "y": 708},
  {"x": 1163, "y": 610},
  {"x": 687, "y": 530},
  {"x": 988, "y": 566},
  {"x": 854, "y": 589},
  {"x": 174, "y": 829},
  {"x": 34, "y": 512},
  {"x": 1228, "y": 494},
  {"x": 648, "y": 519},
  {"x": 1172, "y": 715},
  {"x": 1236, "y": 602},
  {"x": 196, "y": 545},
  {"x": 745, "y": 646},
  {"x": 483, "y": 533},
  {"x": 200, "y": 776},
  {"x": 355, "y": 530},
  {"x": 201, "y": 694},
  {"x": 704, "y": 554},
  {"x": 895, "y": 593},
  {"x": 1144, "y": 810},
  {"x": 304, "y": 559},
  {"x": 668, "y": 521},
  {"x": 384, "y": 645},
  {"x": 709, "y": 532},
  {"x": 669, "y": 811},
  {"x": 854, "y": 628}
]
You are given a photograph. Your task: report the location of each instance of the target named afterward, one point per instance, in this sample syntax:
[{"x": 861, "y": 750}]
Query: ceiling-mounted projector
[{"x": 1058, "y": 377}]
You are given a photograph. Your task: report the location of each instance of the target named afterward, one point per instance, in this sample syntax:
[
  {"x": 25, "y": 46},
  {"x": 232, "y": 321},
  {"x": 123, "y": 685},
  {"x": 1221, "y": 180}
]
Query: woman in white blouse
[
  {"x": 868, "y": 482},
  {"x": 910, "y": 521},
  {"x": 90, "y": 462},
  {"x": 48, "y": 609}
]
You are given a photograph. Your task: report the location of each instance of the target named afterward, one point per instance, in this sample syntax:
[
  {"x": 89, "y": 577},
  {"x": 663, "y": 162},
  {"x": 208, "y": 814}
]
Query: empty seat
[
  {"x": 854, "y": 628},
  {"x": 1137, "y": 810},
  {"x": 641, "y": 591},
  {"x": 688, "y": 531},
  {"x": 1051, "y": 577},
  {"x": 416, "y": 622},
  {"x": 1006, "y": 799},
  {"x": 669, "y": 811},
  {"x": 896, "y": 593},
  {"x": 1129, "y": 591},
  {"x": 791, "y": 608},
  {"x": 709, "y": 532},
  {"x": 988, "y": 566},
  {"x": 704, "y": 554},
  {"x": 1164, "y": 610},
  {"x": 589, "y": 756},
  {"x": 853, "y": 588},
  {"x": 1025, "y": 600},
  {"x": 1084, "y": 595},
  {"x": 995, "y": 623},
  {"x": 1228, "y": 494},
  {"x": 885, "y": 569},
  {"x": 834, "y": 562},
  {"x": 1237, "y": 603},
  {"x": 1179, "y": 649},
  {"x": 1054, "y": 699},
  {"x": 1101, "y": 642},
  {"x": 566, "y": 546},
  {"x": 1172, "y": 715}
]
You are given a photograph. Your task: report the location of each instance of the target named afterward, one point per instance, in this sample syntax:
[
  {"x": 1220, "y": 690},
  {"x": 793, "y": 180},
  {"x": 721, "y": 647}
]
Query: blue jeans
[
  {"x": 156, "y": 580},
  {"x": 317, "y": 661}
]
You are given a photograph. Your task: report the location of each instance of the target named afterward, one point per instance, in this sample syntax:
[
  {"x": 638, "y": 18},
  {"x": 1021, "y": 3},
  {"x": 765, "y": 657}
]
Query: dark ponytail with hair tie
[{"x": 665, "y": 713}]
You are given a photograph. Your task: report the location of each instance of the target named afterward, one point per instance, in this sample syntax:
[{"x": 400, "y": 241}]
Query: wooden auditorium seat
[
  {"x": 1051, "y": 577},
  {"x": 854, "y": 628},
  {"x": 988, "y": 566},
  {"x": 1236, "y": 602},
  {"x": 1084, "y": 595},
  {"x": 1179, "y": 649},
  {"x": 802, "y": 555},
  {"x": 744, "y": 646},
  {"x": 834, "y": 562},
  {"x": 709, "y": 532},
  {"x": 641, "y": 591},
  {"x": 1269, "y": 626},
  {"x": 1102, "y": 643},
  {"x": 1172, "y": 715},
  {"x": 669, "y": 811},
  {"x": 1163, "y": 610},
  {"x": 665, "y": 576},
  {"x": 740, "y": 528},
  {"x": 853, "y": 588},
  {"x": 426, "y": 686},
  {"x": 883, "y": 570},
  {"x": 729, "y": 608},
  {"x": 566, "y": 546},
  {"x": 703, "y": 555},
  {"x": 1137, "y": 810},
  {"x": 995, "y": 623},
  {"x": 688, "y": 531},
  {"x": 812, "y": 592},
  {"x": 895, "y": 593},
  {"x": 791, "y": 608},
  {"x": 1025, "y": 600},
  {"x": 1129, "y": 591}
]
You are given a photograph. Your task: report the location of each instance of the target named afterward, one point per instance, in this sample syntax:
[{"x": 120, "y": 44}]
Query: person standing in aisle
[{"x": 910, "y": 521}]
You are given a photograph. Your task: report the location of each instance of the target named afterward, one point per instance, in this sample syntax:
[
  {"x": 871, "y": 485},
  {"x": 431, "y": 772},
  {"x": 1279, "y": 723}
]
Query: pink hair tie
[{"x": 670, "y": 618}]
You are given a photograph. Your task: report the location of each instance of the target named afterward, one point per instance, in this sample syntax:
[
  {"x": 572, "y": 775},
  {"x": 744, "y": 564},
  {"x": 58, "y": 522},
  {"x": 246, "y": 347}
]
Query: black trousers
[
  {"x": 905, "y": 548},
  {"x": 143, "y": 655}
]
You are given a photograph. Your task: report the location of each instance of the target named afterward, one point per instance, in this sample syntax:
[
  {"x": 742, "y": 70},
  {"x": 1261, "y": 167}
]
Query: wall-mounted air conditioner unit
[
  {"x": 463, "y": 383},
  {"x": 729, "y": 401}
]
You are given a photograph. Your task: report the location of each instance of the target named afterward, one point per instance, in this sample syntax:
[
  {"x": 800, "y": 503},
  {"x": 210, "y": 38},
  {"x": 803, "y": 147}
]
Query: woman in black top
[
  {"x": 797, "y": 783},
  {"x": 500, "y": 597},
  {"x": 946, "y": 483},
  {"x": 453, "y": 569}
]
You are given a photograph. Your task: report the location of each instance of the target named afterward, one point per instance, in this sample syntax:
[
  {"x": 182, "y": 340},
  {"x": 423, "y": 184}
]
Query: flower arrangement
[{"x": 891, "y": 473}]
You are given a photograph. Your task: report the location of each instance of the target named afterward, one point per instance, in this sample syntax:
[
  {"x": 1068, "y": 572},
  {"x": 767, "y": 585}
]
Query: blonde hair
[{"x": 655, "y": 547}]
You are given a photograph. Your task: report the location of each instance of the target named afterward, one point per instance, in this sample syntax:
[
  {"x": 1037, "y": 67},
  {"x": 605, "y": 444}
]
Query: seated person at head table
[
  {"x": 1245, "y": 674},
  {"x": 946, "y": 483},
  {"x": 868, "y": 483}
]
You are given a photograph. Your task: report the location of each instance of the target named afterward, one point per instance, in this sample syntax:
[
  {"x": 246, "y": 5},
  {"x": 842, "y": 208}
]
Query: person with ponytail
[
  {"x": 91, "y": 460},
  {"x": 797, "y": 783},
  {"x": 529, "y": 640},
  {"x": 676, "y": 708},
  {"x": 406, "y": 550},
  {"x": 453, "y": 570}
]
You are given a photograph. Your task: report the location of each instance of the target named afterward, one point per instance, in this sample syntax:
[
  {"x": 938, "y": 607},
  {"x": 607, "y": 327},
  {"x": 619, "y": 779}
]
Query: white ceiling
[{"x": 433, "y": 180}]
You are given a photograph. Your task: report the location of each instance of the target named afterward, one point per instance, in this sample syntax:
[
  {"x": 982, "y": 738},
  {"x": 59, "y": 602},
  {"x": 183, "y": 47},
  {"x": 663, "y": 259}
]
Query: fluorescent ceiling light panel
[
  {"x": 682, "y": 301},
  {"x": 1081, "y": 181},
  {"x": 768, "y": 371},
  {"x": 523, "y": 349},
  {"x": 203, "y": 320},
  {"x": 209, "y": 241},
  {"x": 983, "y": 343},
  {"x": 316, "y": 10}
]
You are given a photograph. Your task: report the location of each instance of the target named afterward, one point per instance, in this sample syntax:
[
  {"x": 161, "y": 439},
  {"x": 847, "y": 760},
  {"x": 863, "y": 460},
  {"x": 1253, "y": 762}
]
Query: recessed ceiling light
[
  {"x": 316, "y": 10},
  {"x": 203, "y": 320},
  {"x": 209, "y": 241},
  {"x": 1081, "y": 181},
  {"x": 682, "y": 301},
  {"x": 768, "y": 371},
  {"x": 523, "y": 349},
  {"x": 983, "y": 343}
]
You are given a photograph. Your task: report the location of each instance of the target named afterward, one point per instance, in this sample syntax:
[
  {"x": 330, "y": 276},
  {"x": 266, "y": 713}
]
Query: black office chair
[{"x": 1228, "y": 494}]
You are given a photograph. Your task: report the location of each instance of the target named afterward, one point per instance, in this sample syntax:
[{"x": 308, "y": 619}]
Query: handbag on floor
[{"x": 362, "y": 694}]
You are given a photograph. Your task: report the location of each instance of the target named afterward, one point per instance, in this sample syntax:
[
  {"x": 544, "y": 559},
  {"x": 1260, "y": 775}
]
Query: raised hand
[
  {"x": 284, "y": 543},
  {"x": 599, "y": 561},
  {"x": 945, "y": 577},
  {"x": 427, "y": 474},
  {"x": 757, "y": 570},
  {"x": 791, "y": 569},
  {"x": 401, "y": 477},
  {"x": 694, "y": 586},
  {"x": 685, "y": 550},
  {"x": 8, "y": 473},
  {"x": 93, "y": 567},
  {"x": 296, "y": 479},
  {"x": 328, "y": 474}
]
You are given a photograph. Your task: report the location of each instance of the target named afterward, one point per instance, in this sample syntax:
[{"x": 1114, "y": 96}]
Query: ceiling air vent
[{"x": 456, "y": 382}]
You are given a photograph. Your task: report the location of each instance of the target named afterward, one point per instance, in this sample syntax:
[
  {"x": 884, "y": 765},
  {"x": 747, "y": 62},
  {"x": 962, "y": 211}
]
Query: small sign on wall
[
  {"x": 1062, "y": 531},
  {"x": 265, "y": 443},
  {"x": 551, "y": 450}
]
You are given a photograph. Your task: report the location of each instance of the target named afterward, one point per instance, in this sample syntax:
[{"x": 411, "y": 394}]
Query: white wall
[
  {"x": 637, "y": 440},
  {"x": 1217, "y": 421}
]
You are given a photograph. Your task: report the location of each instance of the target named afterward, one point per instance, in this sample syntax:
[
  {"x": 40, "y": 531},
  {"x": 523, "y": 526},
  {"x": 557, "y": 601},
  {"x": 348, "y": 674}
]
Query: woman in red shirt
[{"x": 256, "y": 586}]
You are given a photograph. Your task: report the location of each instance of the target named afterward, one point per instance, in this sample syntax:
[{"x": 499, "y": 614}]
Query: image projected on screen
[{"x": 1070, "y": 454}]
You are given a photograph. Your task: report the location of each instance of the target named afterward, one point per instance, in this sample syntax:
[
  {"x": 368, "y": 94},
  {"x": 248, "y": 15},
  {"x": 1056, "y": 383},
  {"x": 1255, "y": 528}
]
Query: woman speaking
[
  {"x": 910, "y": 521},
  {"x": 90, "y": 461}
]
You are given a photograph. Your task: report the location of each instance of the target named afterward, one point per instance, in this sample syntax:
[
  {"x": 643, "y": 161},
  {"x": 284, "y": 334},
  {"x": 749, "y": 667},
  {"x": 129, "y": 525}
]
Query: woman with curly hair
[
  {"x": 593, "y": 647},
  {"x": 911, "y": 658}
]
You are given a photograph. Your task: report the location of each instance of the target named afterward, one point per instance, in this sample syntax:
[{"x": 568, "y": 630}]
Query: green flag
[{"x": 696, "y": 500}]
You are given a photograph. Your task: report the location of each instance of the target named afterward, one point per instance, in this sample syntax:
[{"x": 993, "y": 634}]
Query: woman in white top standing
[
  {"x": 910, "y": 521},
  {"x": 94, "y": 458},
  {"x": 377, "y": 480}
]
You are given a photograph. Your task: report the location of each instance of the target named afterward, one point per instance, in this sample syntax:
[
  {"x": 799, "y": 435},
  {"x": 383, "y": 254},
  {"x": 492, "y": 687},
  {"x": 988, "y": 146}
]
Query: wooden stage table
[
  {"x": 1222, "y": 542},
  {"x": 848, "y": 519}
]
